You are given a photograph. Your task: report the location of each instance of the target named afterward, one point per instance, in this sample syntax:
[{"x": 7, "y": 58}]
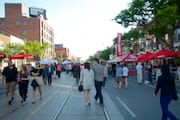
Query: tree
[
  {"x": 11, "y": 49},
  {"x": 163, "y": 15},
  {"x": 35, "y": 48},
  {"x": 31, "y": 47},
  {"x": 91, "y": 59},
  {"x": 104, "y": 54}
]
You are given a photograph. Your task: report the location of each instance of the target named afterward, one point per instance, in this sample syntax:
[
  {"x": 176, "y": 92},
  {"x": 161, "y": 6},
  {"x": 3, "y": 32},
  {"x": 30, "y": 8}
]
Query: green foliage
[
  {"x": 137, "y": 14},
  {"x": 91, "y": 59},
  {"x": 163, "y": 14},
  {"x": 29, "y": 46},
  {"x": 104, "y": 54}
]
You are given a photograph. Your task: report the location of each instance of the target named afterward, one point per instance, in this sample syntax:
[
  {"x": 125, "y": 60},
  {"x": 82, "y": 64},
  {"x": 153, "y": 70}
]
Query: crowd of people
[
  {"x": 27, "y": 75},
  {"x": 92, "y": 75}
]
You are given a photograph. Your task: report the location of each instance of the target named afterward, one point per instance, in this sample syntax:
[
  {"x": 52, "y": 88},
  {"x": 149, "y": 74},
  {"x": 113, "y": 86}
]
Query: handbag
[
  {"x": 34, "y": 84},
  {"x": 80, "y": 88}
]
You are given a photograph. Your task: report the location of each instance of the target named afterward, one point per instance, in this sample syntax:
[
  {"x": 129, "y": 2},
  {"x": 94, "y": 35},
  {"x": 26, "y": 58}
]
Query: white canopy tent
[{"x": 47, "y": 61}]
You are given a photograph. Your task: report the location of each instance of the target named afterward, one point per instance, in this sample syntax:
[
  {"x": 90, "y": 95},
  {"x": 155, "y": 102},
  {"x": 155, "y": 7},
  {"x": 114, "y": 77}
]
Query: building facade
[
  {"x": 17, "y": 23},
  {"x": 61, "y": 52}
]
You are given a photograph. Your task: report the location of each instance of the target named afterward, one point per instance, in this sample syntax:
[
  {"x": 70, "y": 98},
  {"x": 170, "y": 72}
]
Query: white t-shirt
[
  {"x": 125, "y": 71},
  {"x": 139, "y": 68}
]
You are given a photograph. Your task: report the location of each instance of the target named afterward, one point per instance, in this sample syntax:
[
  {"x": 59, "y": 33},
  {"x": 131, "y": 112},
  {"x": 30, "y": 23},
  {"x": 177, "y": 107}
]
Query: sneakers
[{"x": 10, "y": 101}]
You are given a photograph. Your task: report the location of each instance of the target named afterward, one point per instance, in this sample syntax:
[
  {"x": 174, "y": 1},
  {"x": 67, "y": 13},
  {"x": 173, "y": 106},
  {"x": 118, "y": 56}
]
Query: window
[
  {"x": 24, "y": 31},
  {"x": 24, "y": 22},
  {"x": 17, "y": 22}
]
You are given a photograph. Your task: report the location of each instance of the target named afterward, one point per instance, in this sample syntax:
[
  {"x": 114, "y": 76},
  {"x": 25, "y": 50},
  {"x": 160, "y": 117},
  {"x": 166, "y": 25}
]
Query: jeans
[
  {"x": 164, "y": 101},
  {"x": 150, "y": 77},
  {"x": 98, "y": 86},
  {"x": 23, "y": 88},
  {"x": 49, "y": 78}
]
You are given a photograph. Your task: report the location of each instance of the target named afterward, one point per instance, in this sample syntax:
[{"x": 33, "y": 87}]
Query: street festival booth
[
  {"x": 169, "y": 55},
  {"x": 130, "y": 59},
  {"x": 144, "y": 57},
  {"x": 21, "y": 58},
  {"x": 164, "y": 53}
]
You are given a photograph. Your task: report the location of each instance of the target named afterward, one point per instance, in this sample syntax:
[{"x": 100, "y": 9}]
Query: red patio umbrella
[
  {"x": 2, "y": 55},
  {"x": 164, "y": 53},
  {"x": 22, "y": 56},
  {"x": 178, "y": 54},
  {"x": 144, "y": 57},
  {"x": 129, "y": 58}
]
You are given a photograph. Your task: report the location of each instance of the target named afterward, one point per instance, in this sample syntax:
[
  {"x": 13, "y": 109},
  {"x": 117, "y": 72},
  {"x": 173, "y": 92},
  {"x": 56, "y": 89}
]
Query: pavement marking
[
  {"x": 39, "y": 107},
  {"x": 126, "y": 107}
]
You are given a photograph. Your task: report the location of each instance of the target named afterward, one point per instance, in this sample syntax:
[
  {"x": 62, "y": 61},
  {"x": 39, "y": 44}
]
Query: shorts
[{"x": 124, "y": 76}]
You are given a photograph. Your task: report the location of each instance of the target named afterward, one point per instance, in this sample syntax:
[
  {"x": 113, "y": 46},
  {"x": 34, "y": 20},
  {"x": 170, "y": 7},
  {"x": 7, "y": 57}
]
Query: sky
[{"x": 83, "y": 26}]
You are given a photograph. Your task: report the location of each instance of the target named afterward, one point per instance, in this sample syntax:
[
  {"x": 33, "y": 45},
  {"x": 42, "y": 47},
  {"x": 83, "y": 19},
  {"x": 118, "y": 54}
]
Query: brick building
[
  {"x": 17, "y": 23},
  {"x": 61, "y": 52}
]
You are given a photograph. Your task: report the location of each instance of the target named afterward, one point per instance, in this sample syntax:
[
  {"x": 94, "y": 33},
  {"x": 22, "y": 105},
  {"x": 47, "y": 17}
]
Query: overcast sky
[{"x": 83, "y": 26}]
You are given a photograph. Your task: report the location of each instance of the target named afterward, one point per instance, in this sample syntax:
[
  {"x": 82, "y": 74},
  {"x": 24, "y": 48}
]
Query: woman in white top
[
  {"x": 87, "y": 80},
  {"x": 125, "y": 75}
]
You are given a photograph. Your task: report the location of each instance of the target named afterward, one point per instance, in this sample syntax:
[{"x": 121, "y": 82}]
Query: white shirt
[
  {"x": 125, "y": 71},
  {"x": 139, "y": 68}
]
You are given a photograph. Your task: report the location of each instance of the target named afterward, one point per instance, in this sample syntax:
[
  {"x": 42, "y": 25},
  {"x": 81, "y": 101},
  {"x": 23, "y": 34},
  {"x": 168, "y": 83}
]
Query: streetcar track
[
  {"x": 57, "y": 114},
  {"x": 107, "y": 116},
  {"x": 61, "y": 107}
]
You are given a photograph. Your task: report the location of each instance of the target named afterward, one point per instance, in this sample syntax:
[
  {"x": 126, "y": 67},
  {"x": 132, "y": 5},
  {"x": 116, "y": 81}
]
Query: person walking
[
  {"x": 58, "y": 70},
  {"x": 87, "y": 80},
  {"x": 23, "y": 82},
  {"x": 139, "y": 69},
  {"x": 98, "y": 77},
  {"x": 150, "y": 70},
  {"x": 50, "y": 73},
  {"x": 45, "y": 74},
  {"x": 166, "y": 84},
  {"x": 118, "y": 75},
  {"x": 10, "y": 72},
  {"x": 37, "y": 75},
  {"x": 125, "y": 75}
]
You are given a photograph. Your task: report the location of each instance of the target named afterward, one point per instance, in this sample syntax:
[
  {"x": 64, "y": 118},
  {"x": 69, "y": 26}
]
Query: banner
[{"x": 119, "y": 45}]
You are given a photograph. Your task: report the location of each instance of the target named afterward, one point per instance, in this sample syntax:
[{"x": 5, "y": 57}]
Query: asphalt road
[{"x": 137, "y": 102}]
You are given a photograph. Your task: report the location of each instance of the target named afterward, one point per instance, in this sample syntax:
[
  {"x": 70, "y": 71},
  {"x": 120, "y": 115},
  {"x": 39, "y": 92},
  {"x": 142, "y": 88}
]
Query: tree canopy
[{"x": 158, "y": 17}]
